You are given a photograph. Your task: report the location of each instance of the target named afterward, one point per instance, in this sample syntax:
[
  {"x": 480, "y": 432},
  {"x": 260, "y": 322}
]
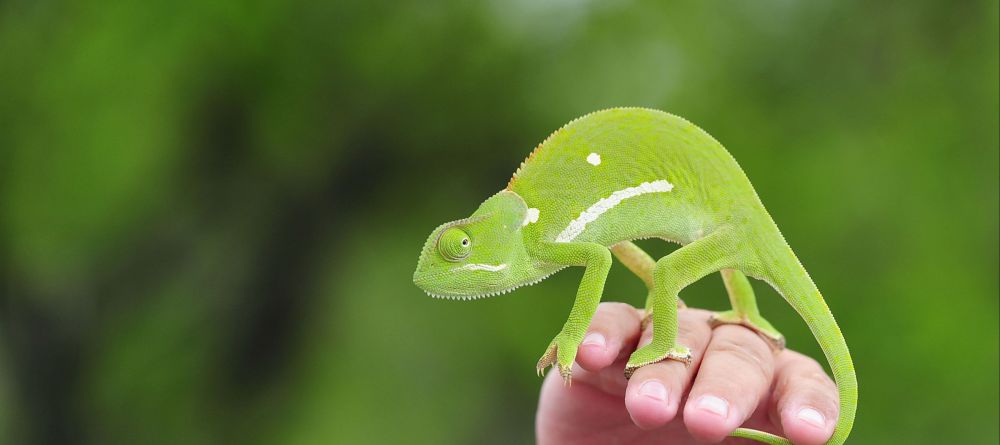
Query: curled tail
[
  {"x": 791, "y": 280},
  {"x": 760, "y": 436}
]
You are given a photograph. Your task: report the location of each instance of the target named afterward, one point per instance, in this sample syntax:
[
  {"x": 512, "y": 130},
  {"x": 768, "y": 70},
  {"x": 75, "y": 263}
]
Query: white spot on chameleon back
[
  {"x": 577, "y": 226},
  {"x": 531, "y": 216},
  {"x": 594, "y": 159},
  {"x": 486, "y": 267}
]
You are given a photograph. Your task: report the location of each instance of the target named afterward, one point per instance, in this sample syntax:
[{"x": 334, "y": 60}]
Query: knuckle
[
  {"x": 686, "y": 331},
  {"x": 618, "y": 308},
  {"x": 726, "y": 387},
  {"x": 612, "y": 313},
  {"x": 703, "y": 314},
  {"x": 746, "y": 353},
  {"x": 694, "y": 317},
  {"x": 693, "y": 332}
]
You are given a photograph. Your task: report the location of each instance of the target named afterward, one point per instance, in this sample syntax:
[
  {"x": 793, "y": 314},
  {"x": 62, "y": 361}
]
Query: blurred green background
[{"x": 210, "y": 211}]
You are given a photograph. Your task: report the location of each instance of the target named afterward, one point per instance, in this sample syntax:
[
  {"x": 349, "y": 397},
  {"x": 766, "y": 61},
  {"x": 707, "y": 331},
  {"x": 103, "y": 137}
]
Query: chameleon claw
[
  {"x": 549, "y": 358},
  {"x": 567, "y": 375}
]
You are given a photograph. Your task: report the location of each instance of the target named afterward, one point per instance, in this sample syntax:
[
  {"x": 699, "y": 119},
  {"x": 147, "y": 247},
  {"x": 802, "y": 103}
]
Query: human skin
[{"x": 735, "y": 379}]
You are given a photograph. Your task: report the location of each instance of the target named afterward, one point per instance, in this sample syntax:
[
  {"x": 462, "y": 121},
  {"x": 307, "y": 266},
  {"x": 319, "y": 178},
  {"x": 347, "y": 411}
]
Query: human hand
[{"x": 734, "y": 380}]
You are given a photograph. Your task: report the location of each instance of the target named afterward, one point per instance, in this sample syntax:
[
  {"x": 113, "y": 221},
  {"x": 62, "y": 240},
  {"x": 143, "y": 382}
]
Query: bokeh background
[{"x": 210, "y": 211}]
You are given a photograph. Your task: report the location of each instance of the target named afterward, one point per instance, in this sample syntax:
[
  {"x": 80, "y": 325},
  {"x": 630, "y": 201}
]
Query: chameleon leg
[
  {"x": 745, "y": 310},
  {"x": 597, "y": 260},
  {"x": 642, "y": 265},
  {"x": 784, "y": 272},
  {"x": 671, "y": 274}
]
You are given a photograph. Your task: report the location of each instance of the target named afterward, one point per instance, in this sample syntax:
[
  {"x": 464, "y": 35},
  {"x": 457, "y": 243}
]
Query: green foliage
[{"x": 210, "y": 211}]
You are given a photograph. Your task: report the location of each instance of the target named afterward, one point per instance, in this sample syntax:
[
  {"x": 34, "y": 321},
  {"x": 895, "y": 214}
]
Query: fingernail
[
  {"x": 812, "y": 417},
  {"x": 654, "y": 390},
  {"x": 595, "y": 339},
  {"x": 714, "y": 405}
]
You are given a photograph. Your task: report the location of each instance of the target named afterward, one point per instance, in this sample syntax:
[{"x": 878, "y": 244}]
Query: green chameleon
[{"x": 614, "y": 176}]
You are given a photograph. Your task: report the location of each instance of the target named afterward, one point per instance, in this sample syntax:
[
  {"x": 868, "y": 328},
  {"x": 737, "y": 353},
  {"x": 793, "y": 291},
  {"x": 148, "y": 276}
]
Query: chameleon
[{"x": 604, "y": 180}]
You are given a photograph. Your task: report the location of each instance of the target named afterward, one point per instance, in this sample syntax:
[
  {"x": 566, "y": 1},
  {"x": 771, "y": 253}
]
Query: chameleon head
[{"x": 479, "y": 256}]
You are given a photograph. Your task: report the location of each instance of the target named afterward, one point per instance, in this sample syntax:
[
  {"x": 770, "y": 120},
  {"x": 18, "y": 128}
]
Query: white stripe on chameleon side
[
  {"x": 486, "y": 267},
  {"x": 576, "y": 227}
]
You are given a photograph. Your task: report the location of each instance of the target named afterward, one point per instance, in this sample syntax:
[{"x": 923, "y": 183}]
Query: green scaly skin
[{"x": 614, "y": 176}]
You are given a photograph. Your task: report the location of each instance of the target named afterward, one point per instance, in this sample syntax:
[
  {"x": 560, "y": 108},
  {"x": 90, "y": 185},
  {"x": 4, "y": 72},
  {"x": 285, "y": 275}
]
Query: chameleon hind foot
[
  {"x": 560, "y": 358},
  {"x": 650, "y": 354},
  {"x": 755, "y": 323}
]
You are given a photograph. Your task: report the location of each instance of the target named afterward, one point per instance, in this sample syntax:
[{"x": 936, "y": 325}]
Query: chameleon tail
[
  {"x": 792, "y": 281},
  {"x": 760, "y": 436}
]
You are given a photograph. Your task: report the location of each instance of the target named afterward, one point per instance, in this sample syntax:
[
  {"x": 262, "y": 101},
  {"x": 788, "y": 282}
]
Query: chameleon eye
[{"x": 454, "y": 244}]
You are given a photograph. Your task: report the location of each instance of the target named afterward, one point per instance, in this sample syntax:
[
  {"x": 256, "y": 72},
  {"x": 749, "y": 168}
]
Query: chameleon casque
[{"x": 614, "y": 176}]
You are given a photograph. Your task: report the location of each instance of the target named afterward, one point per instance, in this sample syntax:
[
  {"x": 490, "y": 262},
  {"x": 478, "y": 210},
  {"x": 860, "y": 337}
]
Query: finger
[
  {"x": 806, "y": 403},
  {"x": 734, "y": 377},
  {"x": 571, "y": 414},
  {"x": 655, "y": 391},
  {"x": 614, "y": 328}
]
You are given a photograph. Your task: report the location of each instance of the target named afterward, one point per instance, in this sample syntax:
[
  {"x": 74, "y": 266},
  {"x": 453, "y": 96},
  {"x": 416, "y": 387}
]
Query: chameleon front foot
[
  {"x": 647, "y": 313},
  {"x": 560, "y": 354},
  {"x": 651, "y": 353},
  {"x": 755, "y": 323}
]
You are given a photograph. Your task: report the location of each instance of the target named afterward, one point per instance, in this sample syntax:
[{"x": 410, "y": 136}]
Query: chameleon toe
[
  {"x": 548, "y": 359},
  {"x": 758, "y": 324},
  {"x": 643, "y": 357}
]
